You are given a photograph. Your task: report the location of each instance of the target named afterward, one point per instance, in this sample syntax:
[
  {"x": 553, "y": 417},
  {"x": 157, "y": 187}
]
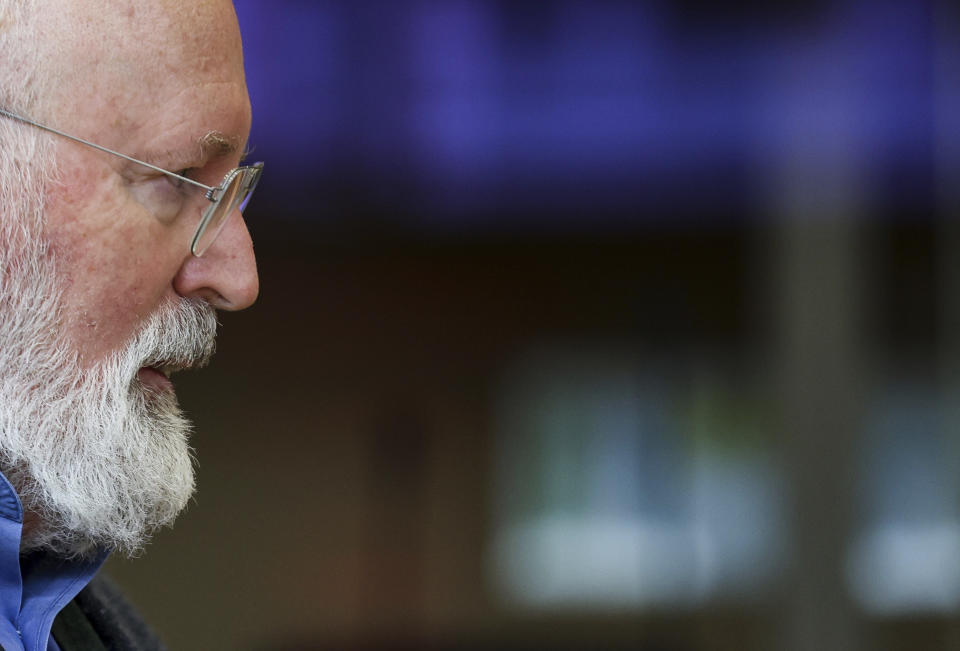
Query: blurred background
[{"x": 585, "y": 325}]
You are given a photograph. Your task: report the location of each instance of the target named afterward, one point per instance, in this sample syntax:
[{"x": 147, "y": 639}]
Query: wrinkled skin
[{"x": 150, "y": 79}]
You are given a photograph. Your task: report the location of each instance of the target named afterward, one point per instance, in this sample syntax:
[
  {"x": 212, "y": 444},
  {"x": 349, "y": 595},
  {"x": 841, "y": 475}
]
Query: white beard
[{"x": 98, "y": 459}]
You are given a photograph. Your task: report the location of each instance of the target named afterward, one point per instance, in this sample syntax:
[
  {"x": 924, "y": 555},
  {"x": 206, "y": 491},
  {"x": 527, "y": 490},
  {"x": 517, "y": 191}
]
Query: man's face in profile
[{"x": 102, "y": 300}]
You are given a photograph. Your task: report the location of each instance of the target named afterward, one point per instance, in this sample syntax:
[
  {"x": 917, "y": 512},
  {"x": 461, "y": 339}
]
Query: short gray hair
[{"x": 25, "y": 153}]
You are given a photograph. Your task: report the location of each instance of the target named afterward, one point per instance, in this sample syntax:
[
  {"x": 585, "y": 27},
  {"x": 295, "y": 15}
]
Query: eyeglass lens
[{"x": 236, "y": 194}]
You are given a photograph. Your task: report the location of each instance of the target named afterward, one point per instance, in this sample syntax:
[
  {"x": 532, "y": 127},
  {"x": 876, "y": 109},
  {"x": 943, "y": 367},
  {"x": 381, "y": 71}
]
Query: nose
[{"x": 226, "y": 275}]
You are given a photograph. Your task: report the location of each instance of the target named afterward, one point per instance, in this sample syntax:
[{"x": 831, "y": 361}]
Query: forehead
[
  {"x": 133, "y": 65},
  {"x": 125, "y": 36}
]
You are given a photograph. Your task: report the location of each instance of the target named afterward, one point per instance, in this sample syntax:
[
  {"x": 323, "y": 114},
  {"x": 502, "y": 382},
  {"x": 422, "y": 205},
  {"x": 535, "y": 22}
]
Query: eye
[
  {"x": 164, "y": 195},
  {"x": 186, "y": 172}
]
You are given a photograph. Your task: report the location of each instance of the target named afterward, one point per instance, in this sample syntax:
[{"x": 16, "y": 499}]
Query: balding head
[
  {"x": 132, "y": 47},
  {"x": 91, "y": 59}
]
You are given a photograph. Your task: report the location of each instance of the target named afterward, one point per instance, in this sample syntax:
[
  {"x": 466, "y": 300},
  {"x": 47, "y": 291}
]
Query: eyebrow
[
  {"x": 210, "y": 146},
  {"x": 216, "y": 144}
]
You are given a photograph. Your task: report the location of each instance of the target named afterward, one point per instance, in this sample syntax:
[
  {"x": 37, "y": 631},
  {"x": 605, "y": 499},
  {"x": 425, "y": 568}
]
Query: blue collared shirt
[{"x": 33, "y": 588}]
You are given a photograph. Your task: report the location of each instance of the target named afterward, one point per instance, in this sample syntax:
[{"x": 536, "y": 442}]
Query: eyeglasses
[{"x": 232, "y": 193}]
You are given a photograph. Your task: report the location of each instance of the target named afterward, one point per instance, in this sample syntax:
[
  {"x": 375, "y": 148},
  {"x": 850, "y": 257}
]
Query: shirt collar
[{"x": 33, "y": 588}]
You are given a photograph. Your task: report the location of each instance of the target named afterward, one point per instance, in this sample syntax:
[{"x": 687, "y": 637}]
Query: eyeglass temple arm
[{"x": 185, "y": 179}]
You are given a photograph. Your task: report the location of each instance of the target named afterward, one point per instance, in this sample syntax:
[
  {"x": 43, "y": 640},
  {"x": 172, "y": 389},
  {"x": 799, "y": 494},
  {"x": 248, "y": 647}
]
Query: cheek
[{"x": 110, "y": 261}]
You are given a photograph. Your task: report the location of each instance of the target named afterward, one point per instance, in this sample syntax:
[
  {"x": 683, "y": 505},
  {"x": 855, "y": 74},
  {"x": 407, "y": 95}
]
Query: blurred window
[{"x": 618, "y": 487}]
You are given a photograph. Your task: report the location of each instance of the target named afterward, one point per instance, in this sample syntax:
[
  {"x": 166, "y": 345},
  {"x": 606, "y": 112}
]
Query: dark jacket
[{"x": 101, "y": 619}]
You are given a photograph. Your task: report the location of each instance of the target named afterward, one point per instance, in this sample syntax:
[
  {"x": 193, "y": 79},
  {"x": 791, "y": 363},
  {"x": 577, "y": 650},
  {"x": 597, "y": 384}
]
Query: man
[{"x": 110, "y": 274}]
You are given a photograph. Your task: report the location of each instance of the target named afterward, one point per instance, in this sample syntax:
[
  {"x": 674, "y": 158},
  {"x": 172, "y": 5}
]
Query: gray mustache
[{"x": 179, "y": 337}]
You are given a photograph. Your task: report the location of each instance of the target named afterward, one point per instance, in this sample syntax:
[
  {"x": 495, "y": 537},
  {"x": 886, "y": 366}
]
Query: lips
[
  {"x": 155, "y": 378},
  {"x": 154, "y": 373}
]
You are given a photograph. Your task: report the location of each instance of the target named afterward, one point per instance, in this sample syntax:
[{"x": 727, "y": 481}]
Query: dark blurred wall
[{"x": 584, "y": 325}]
